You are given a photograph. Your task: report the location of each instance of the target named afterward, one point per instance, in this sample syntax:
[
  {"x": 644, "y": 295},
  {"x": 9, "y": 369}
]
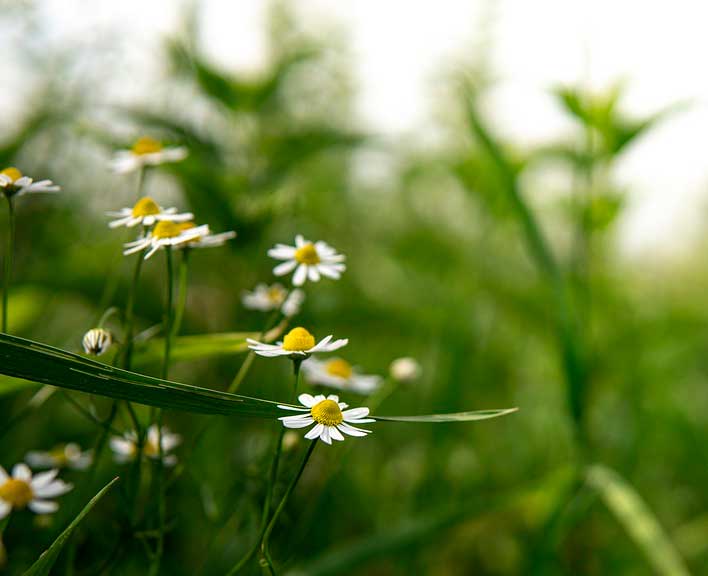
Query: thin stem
[
  {"x": 129, "y": 315},
  {"x": 106, "y": 315},
  {"x": 141, "y": 182},
  {"x": 169, "y": 313},
  {"x": 182, "y": 291},
  {"x": 8, "y": 259},
  {"x": 265, "y": 544}
]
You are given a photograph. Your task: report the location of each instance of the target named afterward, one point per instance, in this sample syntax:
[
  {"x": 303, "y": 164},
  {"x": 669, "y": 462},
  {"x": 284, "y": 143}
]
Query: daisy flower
[
  {"x": 146, "y": 152},
  {"x": 310, "y": 261},
  {"x": 96, "y": 341},
  {"x": 165, "y": 233},
  {"x": 207, "y": 240},
  {"x": 21, "y": 489},
  {"x": 329, "y": 416},
  {"x": 63, "y": 456},
  {"x": 125, "y": 447},
  {"x": 297, "y": 342},
  {"x": 266, "y": 298},
  {"x": 338, "y": 373},
  {"x": 146, "y": 212},
  {"x": 13, "y": 183}
]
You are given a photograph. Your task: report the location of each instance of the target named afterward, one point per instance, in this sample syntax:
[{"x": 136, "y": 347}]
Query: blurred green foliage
[{"x": 507, "y": 299}]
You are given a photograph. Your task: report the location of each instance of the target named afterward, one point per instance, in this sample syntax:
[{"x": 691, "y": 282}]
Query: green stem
[
  {"x": 265, "y": 545},
  {"x": 182, "y": 291},
  {"x": 8, "y": 259},
  {"x": 129, "y": 320},
  {"x": 169, "y": 313},
  {"x": 141, "y": 182},
  {"x": 106, "y": 315}
]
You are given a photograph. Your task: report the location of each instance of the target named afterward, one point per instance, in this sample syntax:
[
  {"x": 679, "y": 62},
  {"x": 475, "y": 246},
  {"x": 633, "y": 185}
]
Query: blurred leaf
[
  {"x": 603, "y": 210},
  {"x": 44, "y": 563},
  {"x": 637, "y": 519},
  {"x": 455, "y": 417}
]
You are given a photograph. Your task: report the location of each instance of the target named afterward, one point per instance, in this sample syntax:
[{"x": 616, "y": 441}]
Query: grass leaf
[{"x": 454, "y": 417}]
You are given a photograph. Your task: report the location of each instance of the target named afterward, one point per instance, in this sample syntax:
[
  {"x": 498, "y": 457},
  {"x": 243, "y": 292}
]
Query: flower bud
[
  {"x": 405, "y": 369},
  {"x": 96, "y": 341}
]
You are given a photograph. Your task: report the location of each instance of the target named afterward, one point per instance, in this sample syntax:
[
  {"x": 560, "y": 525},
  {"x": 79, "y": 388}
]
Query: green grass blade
[
  {"x": 45, "y": 562},
  {"x": 455, "y": 417},
  {"x": 638, "y": 520}
]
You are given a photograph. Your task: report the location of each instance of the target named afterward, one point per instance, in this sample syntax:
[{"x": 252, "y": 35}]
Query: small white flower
[
  {"x": 207, "y": 240},
  {"x": 310, "y": 261},
  {"x": 96, "y": 341},
  {"x": 21, "y": 489},
  {"x": 125, "y": 447},
  {"x": 266, "y": 298},
  {"x": 146, "y": 152},
  {"x": 165, "y": 233},
  {"x": 338, "y": 373},
  {"x": 405, "y": 369},
  {"x": 64, "y": 456},
  {"x": 297, "y": 342},
  {"x": 146, "y": 212},
  {"x": 13, "y": 183},
  {"x": 329, "y": 416}
]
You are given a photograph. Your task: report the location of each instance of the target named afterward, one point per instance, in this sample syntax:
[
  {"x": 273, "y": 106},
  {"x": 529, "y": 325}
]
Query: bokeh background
[{"x": 520, "y": 190}]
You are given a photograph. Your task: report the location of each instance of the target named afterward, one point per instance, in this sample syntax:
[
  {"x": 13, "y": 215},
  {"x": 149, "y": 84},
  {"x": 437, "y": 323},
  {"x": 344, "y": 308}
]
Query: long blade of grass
[
  {"x": 45, "y": 562},
  {"x": 637, "y": 519},
  {"x": 454, "y": 417}
]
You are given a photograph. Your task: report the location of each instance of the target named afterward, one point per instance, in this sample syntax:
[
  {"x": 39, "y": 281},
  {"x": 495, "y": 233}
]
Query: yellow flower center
[
  {"x": 340, "y": 368},
  {"x": 327, "y": 412},
  {"x": 276, "y": 294},
  {"x": 12, "y": 173},
  {"x": 298, "y": 340},
  {"x": 307, "y": 254},
  {"x": 166, "y": 229},
  {"x": 146, "y": 145},
  {"x": 145, "y": 207},
  {"x": 151, "y": 449},
  {"x": 17, "y": 493},
  {"x": 186, "y": 225},
  {"x": 59, "y": 456}
]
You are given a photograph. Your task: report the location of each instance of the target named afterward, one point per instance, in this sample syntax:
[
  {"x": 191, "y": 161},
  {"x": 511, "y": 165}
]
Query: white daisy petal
[
  {"x": 316, "y": 431},
  {"x": 4, "y": 508},
  {"x": 43, "y": 506},
  {"x": 300, "y": 275},
  {"x": 22, "y": 472},
  {"x": 306, "y": 400},
  {"x": 44, "y": 478},
  {"x": 56, "y": 488},
  {"x": 335, "y": 434},
  {"x": 284, "y": 268}
]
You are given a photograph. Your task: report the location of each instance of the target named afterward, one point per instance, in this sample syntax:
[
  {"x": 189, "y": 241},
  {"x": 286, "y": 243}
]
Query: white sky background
[{"x": 401, "y": 47}]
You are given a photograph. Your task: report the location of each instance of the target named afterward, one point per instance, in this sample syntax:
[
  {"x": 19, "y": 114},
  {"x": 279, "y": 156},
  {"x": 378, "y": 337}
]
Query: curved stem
[{"x": 8, "y": 260}]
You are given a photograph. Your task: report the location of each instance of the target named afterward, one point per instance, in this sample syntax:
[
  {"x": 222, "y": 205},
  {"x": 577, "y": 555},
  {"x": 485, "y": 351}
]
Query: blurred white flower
[
  {"x": 64, "y": 456},
  {"x": 297, "y": 342},
  {"x": 310, "y": 261},
  {"x": 329, "y": 416},
  {"x": 22, "y": 489},
  {"x": 405, "y": 369},
  {"x": 266, "y": 298},
  {"x": 146, "y": 152},
  {"x": 96, "y": 341},
  {"x": 338, "y": 373},
  {"x": 125, "y": 447},
  {"x": 13, "y": 183},
  {"x": 165, "y": 233},
  {"x": 146, "y": 212},
  {"x": 207, "y": 240}
]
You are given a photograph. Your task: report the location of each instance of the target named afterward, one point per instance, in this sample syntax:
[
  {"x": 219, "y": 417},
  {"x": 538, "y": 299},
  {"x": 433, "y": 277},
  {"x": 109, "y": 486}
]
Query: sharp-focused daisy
[
  {"x": 405, "y": 369},
  {"x": 13, "y": 183},
  {"x": 297, "y": 342},
  {"x": 125, "y": 447},
  {"x": 338, "y": 373},
  {"x": 309, "y": 260},
  {"x": 146, "y": 212},
  {"x": 207, "y": 240},
  {"x": 96, "y": 341},
  {"x": 146, "y": 152},
  {"x": 266, "y": 298},
  {"x": 21, "y": 489},
  {"x": 64, "y": 456},
  {"x": 165, "y": 233},
  {"x": 329, "y": 416}
]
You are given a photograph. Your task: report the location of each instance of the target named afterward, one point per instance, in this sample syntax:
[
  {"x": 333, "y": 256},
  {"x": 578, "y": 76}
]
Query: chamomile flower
[
  {"x": 23, "y": 490},
  {"x": 125, "y": 448},
  {"x": 309, "y": 260},
  {"x": 13, "y": 183},
  {"x": 96, "y": 341},
  {"x": 146, "y": 152},
  {"x": 297, "y": 342},
  {"x": 165, "y": 233},
  {"x": 207, "y": 240},
  {"x": 329, "y": 416},
  {"x": 64, "y": 456},
  {"x": 146, "y": 212},
  {"x": 338, "y": 373},
  {"x": 266, "y": 298}
]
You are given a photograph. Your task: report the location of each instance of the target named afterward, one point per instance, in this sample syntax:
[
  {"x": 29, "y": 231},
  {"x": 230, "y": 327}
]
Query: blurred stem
[
  {"x": 106, "y": 315},
  {"x": 141, "y": 183},
  {"x": 265, "y": 545},
  {"x": 169, "y": 312},
  {"x": 182, "y": 276},
  {"x": 129, "y": 320},
  {"x": 8, "y": 259}
]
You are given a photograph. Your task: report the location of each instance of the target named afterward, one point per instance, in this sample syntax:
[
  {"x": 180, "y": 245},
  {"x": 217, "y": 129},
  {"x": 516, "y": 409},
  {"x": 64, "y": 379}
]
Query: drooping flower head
[
  {"x": 329, "y": 416},
  {"x": 146, "y": 152},
  {"x": 309, "y": 260},
  {"x": 96, "y": 341},
  {"x": 13, "y": 183},
  {"x": 165, "y": 233},
  {"x": 23, "y": 490},
  {"x": 405, "y": 369},
  {"x": 63, "y": 456},
  {"x": 340, "y": 374},
  {"x": 125, "y": 448},
  {"x": 266, "y": 298},
  {"x": 146, "y": 212},
  {"x": 296, "y": 343}
]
